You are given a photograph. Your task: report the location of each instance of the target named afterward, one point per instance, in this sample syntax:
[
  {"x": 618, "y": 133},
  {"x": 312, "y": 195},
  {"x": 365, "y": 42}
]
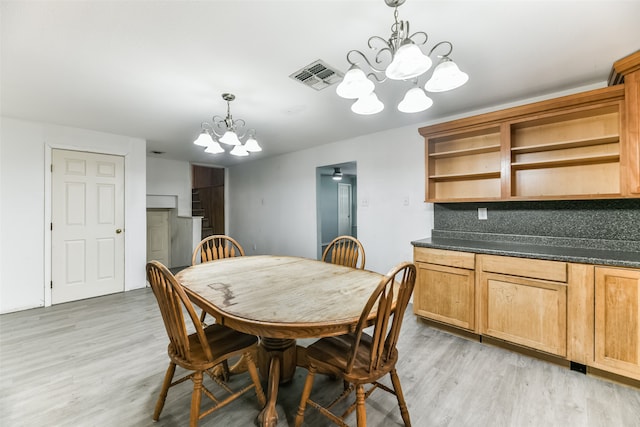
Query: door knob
[{"x": 118, "y": 230}]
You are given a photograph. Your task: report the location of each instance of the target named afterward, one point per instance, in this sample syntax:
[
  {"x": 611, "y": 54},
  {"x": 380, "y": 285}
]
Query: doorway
[
  {"x": 159, "y": 236},
  {"x": 336, "y": 203},
  {"x": 87, "y": 225},
  {"x": 207, "y": 198}
]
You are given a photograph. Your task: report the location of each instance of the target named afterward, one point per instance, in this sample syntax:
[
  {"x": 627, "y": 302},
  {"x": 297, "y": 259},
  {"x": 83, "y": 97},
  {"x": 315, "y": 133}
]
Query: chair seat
[
  {"x": 330, "y": 355},
  {"x": 224, "y": 343}
]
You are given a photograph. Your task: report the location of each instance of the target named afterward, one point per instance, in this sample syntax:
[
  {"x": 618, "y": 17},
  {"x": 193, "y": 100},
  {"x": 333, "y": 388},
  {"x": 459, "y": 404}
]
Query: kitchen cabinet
[
  {"x": 617, "y": 320},
  {"x": 524, "y": 301},
  {"x": 627, "y": 70},
  {"x": 445, "y": 287},
  {"x": 580, "y": 146},
  {"x": 581, "y": 313},
  {"x": 573, "y": 147}
]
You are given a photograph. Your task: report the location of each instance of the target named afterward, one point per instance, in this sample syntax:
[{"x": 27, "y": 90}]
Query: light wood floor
[{"x": 100, "y": 362}]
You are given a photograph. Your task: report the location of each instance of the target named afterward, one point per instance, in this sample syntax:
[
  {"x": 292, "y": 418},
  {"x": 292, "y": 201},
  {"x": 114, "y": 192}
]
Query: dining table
[{"x": 280, "y": 299}]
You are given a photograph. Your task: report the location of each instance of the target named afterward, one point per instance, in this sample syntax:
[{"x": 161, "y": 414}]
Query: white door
[
  {"x": 87, "y": 237},
  {"x": 158, "y": 239},
  {"x": 344, "y": 209}
]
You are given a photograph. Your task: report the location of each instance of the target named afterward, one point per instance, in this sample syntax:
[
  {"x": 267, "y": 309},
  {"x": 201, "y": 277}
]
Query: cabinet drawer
[
  {"x": 444, "y": 257},
  {"x": 533, "y": 268}
]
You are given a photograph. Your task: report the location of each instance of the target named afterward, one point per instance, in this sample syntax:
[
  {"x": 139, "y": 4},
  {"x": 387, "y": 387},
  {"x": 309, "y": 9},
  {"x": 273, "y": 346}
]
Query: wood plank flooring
[{"x": 100, "y": 362}]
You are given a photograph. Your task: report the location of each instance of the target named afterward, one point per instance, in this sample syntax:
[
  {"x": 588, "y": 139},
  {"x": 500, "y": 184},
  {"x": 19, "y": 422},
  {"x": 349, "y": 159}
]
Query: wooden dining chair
[
  {"x": 361, "y": 359},
  {"x": 345, "y": 250},
  {"x": 212, "y": 248},
  {"x": 200, "y": 351},
  {"x": 216, "y": 247}
]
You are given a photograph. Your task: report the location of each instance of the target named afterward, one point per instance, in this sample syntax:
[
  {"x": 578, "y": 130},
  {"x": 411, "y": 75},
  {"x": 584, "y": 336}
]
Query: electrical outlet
[{"x": 482, "y": 213}]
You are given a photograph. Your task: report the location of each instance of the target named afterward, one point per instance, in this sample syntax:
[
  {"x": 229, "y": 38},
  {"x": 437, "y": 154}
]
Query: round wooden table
[{"x": 280, "y": 298}]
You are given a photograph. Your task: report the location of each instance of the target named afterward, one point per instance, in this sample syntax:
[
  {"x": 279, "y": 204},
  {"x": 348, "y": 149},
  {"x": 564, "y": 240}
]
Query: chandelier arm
[
  {"x": 352, "y": 62},
  {"x": 446, "y": 55},
  {"x": 219, "y": 126},
  {"x": 419, "y": 33},
  {"x": 209, "y": 128},
  {"x": 387, "y": 46},
  {"x": 377, "y": 77},
  {"x": 249, "y": 132}
]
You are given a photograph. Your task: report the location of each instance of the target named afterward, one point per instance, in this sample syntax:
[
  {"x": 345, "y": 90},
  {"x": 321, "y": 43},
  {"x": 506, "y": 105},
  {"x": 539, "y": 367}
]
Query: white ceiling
[{"x": 157, "y": 69}]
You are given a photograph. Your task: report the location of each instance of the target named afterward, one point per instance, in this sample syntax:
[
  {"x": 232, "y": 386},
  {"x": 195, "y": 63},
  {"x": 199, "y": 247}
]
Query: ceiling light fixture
[
  {"x": 405, "y": 61},
  {"x": 337, "y": 174},
  {"x": 227, "y": 131}
]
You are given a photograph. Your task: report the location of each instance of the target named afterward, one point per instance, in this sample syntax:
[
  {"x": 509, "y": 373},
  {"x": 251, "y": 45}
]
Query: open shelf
[
  {"x": 465, "y": 152},
  {"x": 466, "y": 176},
  {"x": 586, "y": 160},
  {"x": 576, "y": 143}
]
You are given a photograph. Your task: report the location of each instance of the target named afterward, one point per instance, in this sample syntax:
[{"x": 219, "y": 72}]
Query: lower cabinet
[
  {"x": 445, "y": 287},
  {"x": 617, "y": 321},
  {"x": 583, "y": 313},
  {"x": 524, "y": 301}
]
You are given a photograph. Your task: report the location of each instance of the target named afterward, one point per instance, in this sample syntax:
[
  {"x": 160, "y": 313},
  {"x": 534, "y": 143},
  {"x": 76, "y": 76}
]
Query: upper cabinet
[{"x": 582, "y": 146}]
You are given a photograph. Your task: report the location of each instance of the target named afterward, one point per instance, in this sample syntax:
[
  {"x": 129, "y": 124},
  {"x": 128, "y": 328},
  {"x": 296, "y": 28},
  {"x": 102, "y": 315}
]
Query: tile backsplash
[{"x": 610, "y": 219}]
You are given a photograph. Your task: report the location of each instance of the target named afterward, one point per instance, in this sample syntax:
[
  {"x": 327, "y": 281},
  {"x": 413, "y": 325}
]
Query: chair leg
[
  {"x": 202, "y": 316},
  {"x": 253, "y": 372},
  {"x": 361, "y": 410},
  {"x": 306, "y": 392},
  {"x": 195, "y": 399},
  {"x": 401, "y": 403},
  {"x": 168, "y": 377}
]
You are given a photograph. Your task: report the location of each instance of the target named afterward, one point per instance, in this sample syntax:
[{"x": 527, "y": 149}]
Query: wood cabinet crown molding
[
  {"x": 597, "y": 96},
  {"x": 627, "y": 65}
]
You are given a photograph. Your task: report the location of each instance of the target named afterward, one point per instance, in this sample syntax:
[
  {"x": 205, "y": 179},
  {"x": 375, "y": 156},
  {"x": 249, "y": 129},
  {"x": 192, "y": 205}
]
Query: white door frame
[{"x": 48, "y": 158}]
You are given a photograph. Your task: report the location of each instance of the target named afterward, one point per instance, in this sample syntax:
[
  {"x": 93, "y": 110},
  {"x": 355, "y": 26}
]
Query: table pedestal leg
[{"x": 277, "y": 362}]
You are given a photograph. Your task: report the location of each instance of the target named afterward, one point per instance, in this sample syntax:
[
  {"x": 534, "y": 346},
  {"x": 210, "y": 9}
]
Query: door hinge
[
  {"x": 51, "y": 226},
  {"x": 51, "y": 167},
  {"x": 51, "y": 285}
]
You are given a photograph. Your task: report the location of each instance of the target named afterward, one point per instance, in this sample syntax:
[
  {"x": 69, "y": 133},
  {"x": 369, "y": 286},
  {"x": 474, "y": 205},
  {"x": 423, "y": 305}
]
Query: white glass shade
[
  {"x": 369, "y": 104},
  {"x": 408, "y": 62},
  {"x": 214, "y": 148},
  {"x": 204, "y": 139},
  {"x": 230, "y": 138},
  {"x": 445, "y": 77},
  {"x": 355, "y": 84},
  {"x": 240, "y": 151},
  {"x": 252, "y": 145},
  {"x": 414, "y": 101}
]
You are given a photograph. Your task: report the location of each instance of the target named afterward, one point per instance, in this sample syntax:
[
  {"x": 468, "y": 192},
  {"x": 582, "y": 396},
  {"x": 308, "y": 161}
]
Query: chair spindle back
[
  {"x": 345, "y": 250},
  {"x": 216, "y": 247},
  {"x": 398, "y": 282},
  {"x": 171, "y": 300}
]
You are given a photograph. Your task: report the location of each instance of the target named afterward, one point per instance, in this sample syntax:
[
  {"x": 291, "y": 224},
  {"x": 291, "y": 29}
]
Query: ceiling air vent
[{"x": 317, "y": 75}]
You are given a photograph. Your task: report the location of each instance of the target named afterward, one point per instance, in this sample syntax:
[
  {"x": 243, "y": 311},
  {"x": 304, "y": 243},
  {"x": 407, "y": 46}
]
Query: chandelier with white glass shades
[
  {"x": 404, "y": 61},
  {"x": 227, "y": 131}
]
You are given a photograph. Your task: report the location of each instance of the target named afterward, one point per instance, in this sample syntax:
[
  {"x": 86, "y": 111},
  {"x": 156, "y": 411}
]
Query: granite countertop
[{"x": 621, "y": 258}]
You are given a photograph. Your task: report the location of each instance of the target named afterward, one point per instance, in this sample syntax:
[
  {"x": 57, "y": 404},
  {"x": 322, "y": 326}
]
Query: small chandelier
[
  {"x": 227, "y": 131},
  {"x": 405, "y": 62}
]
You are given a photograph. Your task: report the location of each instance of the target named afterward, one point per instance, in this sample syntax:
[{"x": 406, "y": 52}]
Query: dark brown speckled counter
[{"x": 621, "y": 258}]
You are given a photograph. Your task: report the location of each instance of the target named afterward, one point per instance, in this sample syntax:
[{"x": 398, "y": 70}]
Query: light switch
[{"x": 482, "y": 213}]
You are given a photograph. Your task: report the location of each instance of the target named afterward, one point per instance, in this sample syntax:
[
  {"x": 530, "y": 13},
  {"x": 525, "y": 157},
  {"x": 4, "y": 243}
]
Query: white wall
[
  {"x": 25, "y": 212},
  {"x": 167, "y": 177},
  {"x": 272, "y": 202}
]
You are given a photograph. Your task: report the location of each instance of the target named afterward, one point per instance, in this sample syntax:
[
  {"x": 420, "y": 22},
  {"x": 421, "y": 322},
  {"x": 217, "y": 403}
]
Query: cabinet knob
[{"x": 118, "y": 230}]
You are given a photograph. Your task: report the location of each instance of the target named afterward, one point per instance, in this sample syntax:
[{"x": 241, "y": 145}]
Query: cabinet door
[
  {"x": 445, "y": 294},
  {"x": 528, "y": 312},
  {"x": 617, "y": 320}
]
